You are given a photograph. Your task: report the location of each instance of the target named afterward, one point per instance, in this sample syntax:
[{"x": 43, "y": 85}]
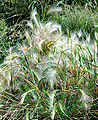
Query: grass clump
[
  {"x": 78, "y": 18},
  {"x": 16, "y": 11},
  {"x": 50, "y": 76}
]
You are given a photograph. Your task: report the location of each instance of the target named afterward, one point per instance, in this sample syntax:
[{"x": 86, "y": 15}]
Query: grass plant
[{"x": 50, "y": 76}]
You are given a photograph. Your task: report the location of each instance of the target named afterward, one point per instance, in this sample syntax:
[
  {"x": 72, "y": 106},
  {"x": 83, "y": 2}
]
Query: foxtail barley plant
[{"x": 51, "y": 76}]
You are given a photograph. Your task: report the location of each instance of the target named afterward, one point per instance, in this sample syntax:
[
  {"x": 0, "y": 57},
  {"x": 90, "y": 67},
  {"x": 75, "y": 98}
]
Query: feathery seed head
[
  {"x": 88, "y": 39},
  {"x": 79, "y": 34},
  {"x": 33, "y": 17},
  {"x": 29, "y": 23},
  {"x": 85, "y": 99},
  {"x": 27, "y": 36},
  {"x": 73, "y": 36},
  {"x": 51, "y": 77},
  {"x": 44, "y": 36}
]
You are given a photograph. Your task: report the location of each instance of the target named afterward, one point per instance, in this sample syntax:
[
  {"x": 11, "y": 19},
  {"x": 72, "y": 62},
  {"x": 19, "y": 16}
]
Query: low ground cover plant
[{"x": 49, "y": 76}]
